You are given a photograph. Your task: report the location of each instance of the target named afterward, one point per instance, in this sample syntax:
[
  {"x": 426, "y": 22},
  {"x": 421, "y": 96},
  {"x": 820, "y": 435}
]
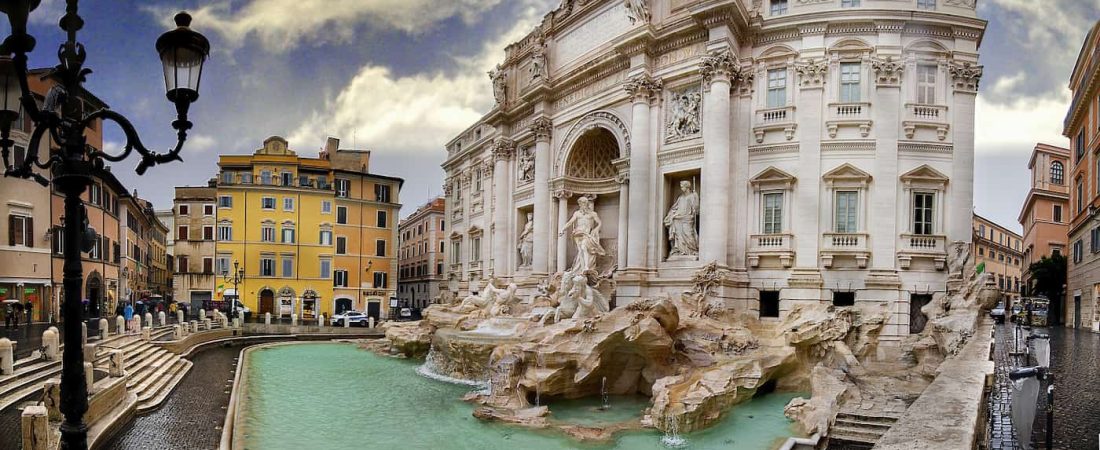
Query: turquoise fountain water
[{"x": 336, "y": 396}]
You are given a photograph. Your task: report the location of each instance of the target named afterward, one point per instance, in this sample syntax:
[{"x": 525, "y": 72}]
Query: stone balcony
[
  {"x": 771, "y": 250},
  {"x": 837, "y": 246},
  {"x": 856, "y": 115},
  {"x": 919, "y": 115},
  {"x": 928, "y": 247},
  {"x": 774, "y": 119}
]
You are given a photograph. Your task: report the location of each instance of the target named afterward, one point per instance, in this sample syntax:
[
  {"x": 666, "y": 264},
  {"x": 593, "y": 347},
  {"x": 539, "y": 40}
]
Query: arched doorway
[
  {"x": 267, "y": 302},
  {"x": 342, "y": 305},
  {"x": 93, "y": 293}
]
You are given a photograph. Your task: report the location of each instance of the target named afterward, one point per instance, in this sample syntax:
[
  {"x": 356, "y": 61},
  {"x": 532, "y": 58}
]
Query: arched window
[{"x": 1057, "y": 173}]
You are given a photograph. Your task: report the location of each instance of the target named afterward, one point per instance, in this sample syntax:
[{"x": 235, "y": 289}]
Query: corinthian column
[
  {"x": 502, "y": 154},
  {"x": 542, "y": 128},
  {"x": 641, "y": 88},
  {"x": 563, "y": 216},
  {"x": 718, "y": 69},
  {"x": 960, "y": 204}
]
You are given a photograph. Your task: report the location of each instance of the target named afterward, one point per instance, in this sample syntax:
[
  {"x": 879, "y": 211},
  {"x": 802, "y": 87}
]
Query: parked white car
[{"x": 353, "y": 318}]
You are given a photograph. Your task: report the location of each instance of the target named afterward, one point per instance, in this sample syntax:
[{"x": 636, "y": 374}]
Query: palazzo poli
[{"x": 820, "y": 151}]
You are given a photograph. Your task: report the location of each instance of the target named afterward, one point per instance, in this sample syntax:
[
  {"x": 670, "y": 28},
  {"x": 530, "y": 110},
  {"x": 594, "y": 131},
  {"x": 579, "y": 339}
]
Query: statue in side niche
[
  {"x": 680, "y": 223},
  {"x": 526, "y": 245}
]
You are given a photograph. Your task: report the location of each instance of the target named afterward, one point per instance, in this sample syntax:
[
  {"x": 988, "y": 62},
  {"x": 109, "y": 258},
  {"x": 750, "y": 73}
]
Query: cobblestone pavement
[
  {"x": 1075, "y": 355},
  {"x": 11, "y": 433},
  {"x": 193, "y": 415}
]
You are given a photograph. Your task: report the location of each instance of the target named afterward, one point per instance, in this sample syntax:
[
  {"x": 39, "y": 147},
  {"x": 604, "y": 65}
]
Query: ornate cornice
[
  {"x": 542, "y": 127},
  {"x": 503, "y": 149},
  {"x": 887, "y": 71},
  {"x": 811, "y": 72},
  {"x": 643, "y": 87},
  {"x": 966, "y": 76},
  {"x": 719, "y": 65}
]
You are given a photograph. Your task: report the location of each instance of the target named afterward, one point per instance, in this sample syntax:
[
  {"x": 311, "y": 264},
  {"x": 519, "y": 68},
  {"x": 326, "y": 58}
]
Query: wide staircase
[
  {"x": 152, "y": 370},
  {"x": 857, "y": 431}
]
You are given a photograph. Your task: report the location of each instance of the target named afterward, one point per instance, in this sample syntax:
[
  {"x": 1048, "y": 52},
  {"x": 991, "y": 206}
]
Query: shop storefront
[{"x": 32, "y": 295}]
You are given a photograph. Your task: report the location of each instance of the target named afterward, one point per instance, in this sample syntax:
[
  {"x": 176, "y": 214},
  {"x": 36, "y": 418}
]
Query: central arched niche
[{"x": 592, "y": 156}]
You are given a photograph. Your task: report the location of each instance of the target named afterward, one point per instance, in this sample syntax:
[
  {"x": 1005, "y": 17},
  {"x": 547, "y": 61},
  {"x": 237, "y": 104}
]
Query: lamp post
[
  {"x": 74, "y": 163},
  {"x": 235, "y": 278}
]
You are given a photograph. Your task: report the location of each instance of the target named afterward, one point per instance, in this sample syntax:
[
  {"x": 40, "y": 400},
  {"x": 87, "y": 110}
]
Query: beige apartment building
[
  {"x": 997, "y": 251},
  {"x": 421, "y": 257},
  {"x": 1046, "y": 208},
  {"x": 194, "y": 224}
]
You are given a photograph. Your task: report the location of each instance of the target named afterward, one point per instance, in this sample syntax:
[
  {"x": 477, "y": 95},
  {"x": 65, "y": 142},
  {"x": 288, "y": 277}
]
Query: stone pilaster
[
  {"x": 964, "y": 78},
  {"x": 563, "y": 217},
  {"x": 641, "y": 89},
  {"x": 624, "y": 211},
  {"x": 806, "y": 220},
  {"x": 886, "y": 110},
  {"x": 542, "y": 128},
  {"x": 503, "y": 151},
  {"x": 718, "y": 69}
]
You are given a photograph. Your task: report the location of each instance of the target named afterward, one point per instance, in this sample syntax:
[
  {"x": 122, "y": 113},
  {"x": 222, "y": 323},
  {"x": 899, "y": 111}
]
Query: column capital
[
  {"x": 643, "y": 87},
  {"x": 503, "y": 149},
  {"x": 811, "y": 72},
  {"x": 562, "y": 194},
  {"x": 887, "y": 71},
  {"x": 622, "y": 178},
  {"x": 965, "y": 76},
  {"x": 542, "y": 127},
  {"x": 720, "y": 65}
]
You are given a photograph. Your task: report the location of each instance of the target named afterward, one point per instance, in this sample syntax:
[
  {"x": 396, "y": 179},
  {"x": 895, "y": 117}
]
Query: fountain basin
[{"x": 336, "y": 396}]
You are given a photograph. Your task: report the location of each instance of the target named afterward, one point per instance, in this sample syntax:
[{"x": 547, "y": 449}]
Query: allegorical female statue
[
  {"x": 527, "y": 242},
  {"x": 586, "y": 236},
  {"x": 680, "y": 222}
]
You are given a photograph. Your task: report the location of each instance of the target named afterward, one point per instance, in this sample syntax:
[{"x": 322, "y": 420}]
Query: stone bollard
[
  {"x": 52, "y": 343},
  {"x": 321, "y": 320},
  {"x": 293, "y": 320},
  {"x": 120, "y": 325},
  {"x": 117, "y": 363},
  {"x": 7, "y": 357},
  {"x": 36, "y": 428},
  {"x": 103, "y": 329},
  {"x": 51, "y": 397},
  {"x": 267, "y": 318},
  {"x": 177, "y": 332},
  {"x": 179, "y": 315},
  {"x": 370, "y": 321},
  {"x": 194, "y": 326},
  {"x": 202, "y": 314},
  {"x": 89, "y": 352},
  {"x": 137, "y": 321},
  {"x": 89, "y": 376},
  {"x": 347, "y": 323},
  {"x": 84, "y": 333},
  {"x": 163, "y": 318},
  {"x": 206, "y": 323},
  {"x": 149, "y": 319},
  {"x": 146, "y": 334}
]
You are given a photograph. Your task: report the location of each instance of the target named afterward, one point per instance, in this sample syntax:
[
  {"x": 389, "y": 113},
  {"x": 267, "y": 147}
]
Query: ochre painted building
[
  {"x": 1046, "y": 208},
  {"x": 299, "y": 226}
]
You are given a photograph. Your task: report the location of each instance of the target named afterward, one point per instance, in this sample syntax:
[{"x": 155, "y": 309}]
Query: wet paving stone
[
  {"x": 1075, "y": 357},
  {"x": 192, "y": 416}
]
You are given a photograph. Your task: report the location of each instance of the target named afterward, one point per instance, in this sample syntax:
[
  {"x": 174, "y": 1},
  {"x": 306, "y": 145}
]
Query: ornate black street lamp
[
  {"x": 236, "y": 277},
  {"x": 74, "y": 164}
]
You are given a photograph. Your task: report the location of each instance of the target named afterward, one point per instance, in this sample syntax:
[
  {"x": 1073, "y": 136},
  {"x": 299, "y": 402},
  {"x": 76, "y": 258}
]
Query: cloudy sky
[{"x": 401, "y": 77}]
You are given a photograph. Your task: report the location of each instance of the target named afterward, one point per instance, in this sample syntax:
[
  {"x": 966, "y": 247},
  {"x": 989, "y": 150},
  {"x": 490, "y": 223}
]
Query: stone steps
[
  {"x": 155, "y": 393},
  {"x": 139, "y": 375},
  {"x": 860, "y": 428}
]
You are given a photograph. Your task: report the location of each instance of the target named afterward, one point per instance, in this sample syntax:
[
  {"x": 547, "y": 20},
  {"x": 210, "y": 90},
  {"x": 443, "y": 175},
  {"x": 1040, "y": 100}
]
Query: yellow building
[
  {"x": 270, "y": 208},
  {"x": 299, "y": 226},
  {"x": 365, "y": 242}
]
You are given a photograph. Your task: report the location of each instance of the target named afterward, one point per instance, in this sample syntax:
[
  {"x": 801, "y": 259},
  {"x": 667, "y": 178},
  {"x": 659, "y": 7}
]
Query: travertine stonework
[{"x": 830, "y": 149}]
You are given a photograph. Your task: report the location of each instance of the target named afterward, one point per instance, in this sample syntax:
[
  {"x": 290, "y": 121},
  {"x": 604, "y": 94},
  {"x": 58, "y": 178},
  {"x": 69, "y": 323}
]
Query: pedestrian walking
[{"x": 128, "y": 315}]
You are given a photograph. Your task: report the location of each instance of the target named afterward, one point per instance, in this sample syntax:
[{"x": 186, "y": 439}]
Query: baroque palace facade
[
  {"x": 311, "y": 235},
  {"x": 821, "y": 150}
]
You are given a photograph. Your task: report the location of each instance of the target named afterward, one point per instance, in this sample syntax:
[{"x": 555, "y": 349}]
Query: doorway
[
  {"x": 1076, "y": 311},
  {"x": 95, "y": 291},
  {"x": 917, "y": 319},
  {"x": 267, "y": 302},
  {"x": 343, "y": 305},
  {"x": 374, "y": 309}
]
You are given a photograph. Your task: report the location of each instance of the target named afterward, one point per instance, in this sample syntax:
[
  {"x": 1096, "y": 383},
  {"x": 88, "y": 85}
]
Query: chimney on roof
[{"x": 332, "y": 145}]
